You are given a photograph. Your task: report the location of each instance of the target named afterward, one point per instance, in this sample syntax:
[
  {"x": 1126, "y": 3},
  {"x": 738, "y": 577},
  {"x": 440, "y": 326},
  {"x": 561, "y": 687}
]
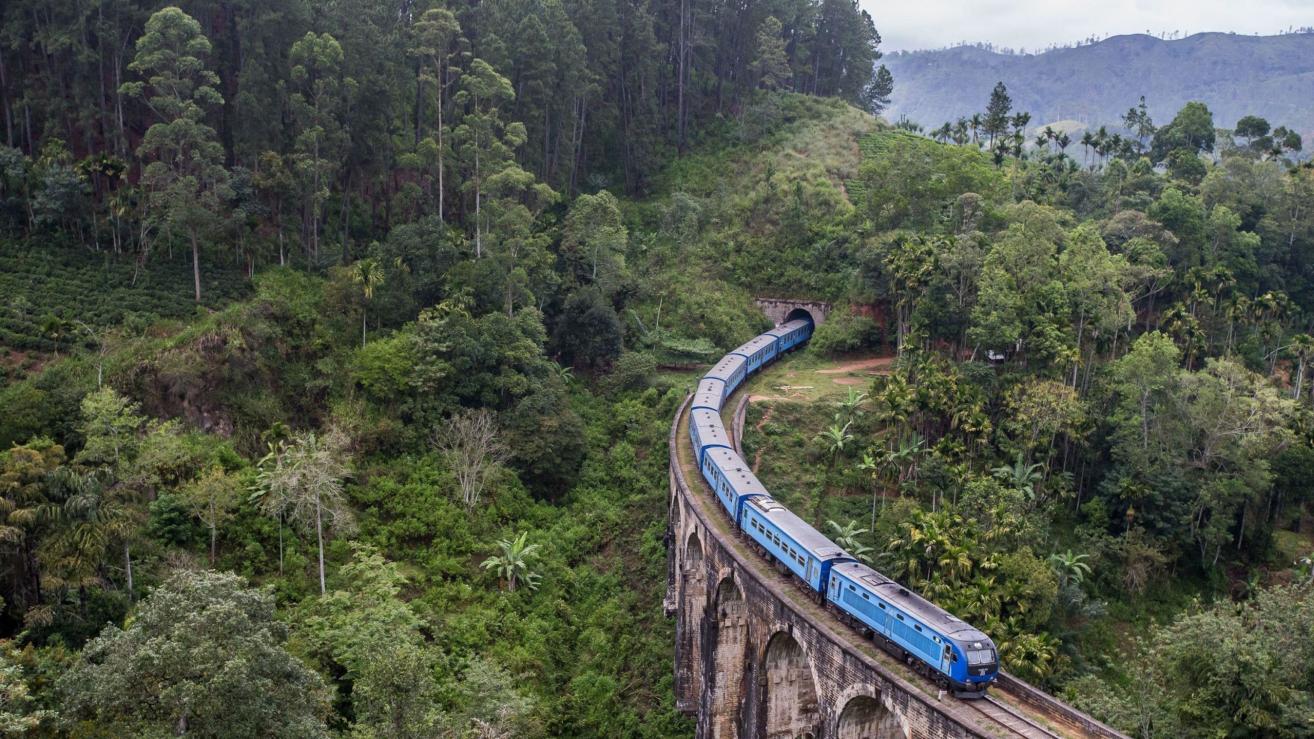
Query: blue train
[{"x": 939, "y": 645}]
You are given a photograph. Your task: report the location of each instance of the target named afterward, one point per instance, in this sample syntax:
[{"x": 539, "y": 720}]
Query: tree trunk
[
  {"x": 127, "y": 567},
  {"x": 214, "y": 534},
  {"x": 319, "y": 535},
  {"x": 196, "y": 265}
]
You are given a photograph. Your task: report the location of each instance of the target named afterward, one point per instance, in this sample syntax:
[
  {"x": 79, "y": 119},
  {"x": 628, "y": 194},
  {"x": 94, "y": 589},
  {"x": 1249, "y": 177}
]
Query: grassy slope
[{"x": 741, "y": 215}]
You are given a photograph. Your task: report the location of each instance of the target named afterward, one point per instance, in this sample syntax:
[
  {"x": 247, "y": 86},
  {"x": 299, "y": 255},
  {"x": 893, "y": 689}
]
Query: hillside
[{"x": 1270, "y": 76}]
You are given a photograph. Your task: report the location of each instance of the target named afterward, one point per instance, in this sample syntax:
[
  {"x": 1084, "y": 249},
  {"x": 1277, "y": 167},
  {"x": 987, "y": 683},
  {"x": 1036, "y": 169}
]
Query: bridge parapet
[{"x": 757, "y": 656}]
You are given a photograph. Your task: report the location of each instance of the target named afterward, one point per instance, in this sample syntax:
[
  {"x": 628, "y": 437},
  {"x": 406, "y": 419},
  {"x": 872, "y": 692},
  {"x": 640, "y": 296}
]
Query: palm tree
[
  {"x": 975, "y": 124},
  {"x": 960, "y": 132},
  {"x": 836, "y": 438},
  {"x": 303, "y": 483},
  {"x": 368, "y": 275},
  {"x": 851, "y": 405},
  {"x": 847, "y": 537},
  {"x": 873, "y": 467},
  {"x": 1070, "y": 567},
  {"x": 1020, "y": 475},
  {"x": 512, "y": 565}
]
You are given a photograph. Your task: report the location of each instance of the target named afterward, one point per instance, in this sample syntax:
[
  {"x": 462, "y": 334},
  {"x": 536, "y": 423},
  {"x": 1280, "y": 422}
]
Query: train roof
[
  {"x": 817, "y": 543},
  {"x": 911, "y": 603},
  {"x": 711, "y": 430},
  {"x": 709, "y": 393},
  {"x": 733, "y": 466},
  {"x": 759, "y": 343},
  {"x": 788, "y": 326},
  {"x": 726, "y": 367}
]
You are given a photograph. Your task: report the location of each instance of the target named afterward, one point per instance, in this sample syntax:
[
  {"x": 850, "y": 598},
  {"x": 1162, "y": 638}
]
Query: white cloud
[{"x": 1036, "y": 24}]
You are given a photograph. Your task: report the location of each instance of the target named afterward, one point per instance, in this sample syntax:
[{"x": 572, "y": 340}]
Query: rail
[{"x": 1020, "y": 691}]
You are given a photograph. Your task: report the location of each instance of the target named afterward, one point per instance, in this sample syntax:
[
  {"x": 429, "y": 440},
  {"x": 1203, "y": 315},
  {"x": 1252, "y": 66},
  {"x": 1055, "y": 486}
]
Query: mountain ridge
[{"x": 1235, "y": 75}]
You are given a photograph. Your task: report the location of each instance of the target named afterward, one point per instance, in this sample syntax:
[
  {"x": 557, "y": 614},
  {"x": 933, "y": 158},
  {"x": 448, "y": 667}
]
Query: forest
[{"x": 339, "y": 343}]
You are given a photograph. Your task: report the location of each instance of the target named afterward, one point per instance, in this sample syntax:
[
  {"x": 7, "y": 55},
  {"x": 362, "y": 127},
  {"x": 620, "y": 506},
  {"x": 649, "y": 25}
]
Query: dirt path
[{"x": 876, "y": 363}]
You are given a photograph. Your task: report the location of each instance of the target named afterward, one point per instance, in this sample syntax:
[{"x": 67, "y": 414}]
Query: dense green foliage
[
  {"x": 1100, "y": 405},
  {"x": 420, "y": 412},
  {"x": 400, "y": 234}
]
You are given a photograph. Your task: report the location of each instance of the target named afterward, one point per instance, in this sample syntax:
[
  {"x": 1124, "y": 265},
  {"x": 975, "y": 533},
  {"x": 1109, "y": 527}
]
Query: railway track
[{"x": 1009, "y": 716}]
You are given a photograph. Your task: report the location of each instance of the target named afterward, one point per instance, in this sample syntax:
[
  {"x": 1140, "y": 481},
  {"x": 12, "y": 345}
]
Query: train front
[{"x": 975, "y": 664}]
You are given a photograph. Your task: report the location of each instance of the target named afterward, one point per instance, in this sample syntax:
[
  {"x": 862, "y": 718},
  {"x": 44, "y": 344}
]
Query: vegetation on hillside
[{"x": 340, "y": 352}]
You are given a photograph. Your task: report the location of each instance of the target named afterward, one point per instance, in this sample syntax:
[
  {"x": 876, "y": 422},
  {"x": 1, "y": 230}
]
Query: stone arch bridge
[{"x": 756, "y": 657}]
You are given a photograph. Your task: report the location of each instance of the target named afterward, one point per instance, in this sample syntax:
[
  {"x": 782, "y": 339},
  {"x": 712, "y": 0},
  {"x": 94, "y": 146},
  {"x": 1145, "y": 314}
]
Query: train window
[
  {"x": 899, "y": 616},
  {"x": 882, "y": 605},
  {"x": 865, "y": 597},
  {"x": 850, "y": 587},
  {"x": 917, "y": 626}
]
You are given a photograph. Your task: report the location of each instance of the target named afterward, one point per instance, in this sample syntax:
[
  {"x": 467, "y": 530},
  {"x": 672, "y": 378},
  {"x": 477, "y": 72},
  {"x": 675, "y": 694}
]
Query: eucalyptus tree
[
  {"x": 316, "y": 102},
  {"x": 185, "y": 182},
  {"x": 485, "y": 142},
  {"x": 436, "y": 35}
]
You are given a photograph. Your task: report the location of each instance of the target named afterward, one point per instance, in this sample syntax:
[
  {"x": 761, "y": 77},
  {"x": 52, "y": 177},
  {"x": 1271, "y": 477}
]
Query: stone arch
[
  {"x": 865, "y": 717},
  {"x": 789, "y": 699},
  {"x": 806, "y": 313},
  {"x": 693, "y": 553},
  {"x": 728, "y": 641}
]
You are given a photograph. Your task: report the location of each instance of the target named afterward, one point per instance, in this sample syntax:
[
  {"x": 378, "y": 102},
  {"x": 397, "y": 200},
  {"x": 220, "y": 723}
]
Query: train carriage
[
  {"x": 731, "y": 370},
  {"x": 802, "y": 549},
  {"x": 706, "y": 431},
  {"x": 730, "y": 479},
  {"x": 758, "y": 352},
  {"x": 790, "y": 334},
  {"x": 710, "y": 394}
]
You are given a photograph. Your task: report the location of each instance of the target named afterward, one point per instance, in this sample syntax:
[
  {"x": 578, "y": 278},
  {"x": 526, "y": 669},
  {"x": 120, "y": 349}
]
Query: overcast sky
[{"x": 1034, "y": 24}]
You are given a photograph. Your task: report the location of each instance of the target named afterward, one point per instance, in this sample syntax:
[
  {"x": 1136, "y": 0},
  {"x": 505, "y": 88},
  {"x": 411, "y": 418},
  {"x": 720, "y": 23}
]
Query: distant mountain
[{"x": 1270, "y": 76}]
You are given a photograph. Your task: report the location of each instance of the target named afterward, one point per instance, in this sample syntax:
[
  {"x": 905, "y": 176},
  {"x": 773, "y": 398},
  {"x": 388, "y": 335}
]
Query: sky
[{"x": 1034, "y": 24}]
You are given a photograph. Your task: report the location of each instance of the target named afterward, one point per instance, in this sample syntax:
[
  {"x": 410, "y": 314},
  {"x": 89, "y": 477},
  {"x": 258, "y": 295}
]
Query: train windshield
[{"x": 980, "y": 656}]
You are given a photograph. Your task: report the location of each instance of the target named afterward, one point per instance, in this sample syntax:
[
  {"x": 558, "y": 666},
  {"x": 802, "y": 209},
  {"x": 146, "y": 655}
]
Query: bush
[
  {"x": 845, "y": 332},
  {"x": 633, "y": 371}
]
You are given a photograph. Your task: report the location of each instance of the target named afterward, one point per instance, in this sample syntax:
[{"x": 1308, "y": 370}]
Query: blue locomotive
[{"x": 935, "y": 642}]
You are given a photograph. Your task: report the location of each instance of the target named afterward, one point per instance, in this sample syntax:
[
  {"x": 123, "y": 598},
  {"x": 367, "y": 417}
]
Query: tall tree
[
  {"x": 876, "y": 98},
  {"x": 304, "y": 485},
  {"x": 321, "y": 140},
  {"x": 997, "y": 113},
  {"x": 435, "y": 35},
  {"x": 184, "y": 178}
]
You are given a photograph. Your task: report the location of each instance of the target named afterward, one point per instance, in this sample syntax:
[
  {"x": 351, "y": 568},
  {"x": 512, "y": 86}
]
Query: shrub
[{"x": 845, "y": 332}]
